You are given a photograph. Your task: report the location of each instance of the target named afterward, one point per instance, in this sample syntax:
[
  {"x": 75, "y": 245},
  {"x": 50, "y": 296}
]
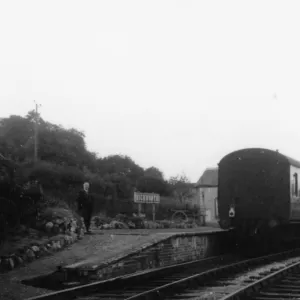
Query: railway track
[
  {"x": 213, "y": 278},
  {"x": 281, "y": 284},
  {"x": 233, "y": 281},
  {"x": 128, "y": 285}
]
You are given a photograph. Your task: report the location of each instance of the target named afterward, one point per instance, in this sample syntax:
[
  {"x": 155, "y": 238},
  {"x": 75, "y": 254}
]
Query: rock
[
  {"x": 131, "y": 225},
  {"x": 49, "y": 227},
  {"x": 17, "y": 260},
  {"x": 67, "y": 239},
  {"x": 57, "y": 245},
  {"x": 71, "y": 239},
  {"x": 30, "y": 255},
  {"x": 24, "y": 257},
  {"x": 59, "y": 221},
  {"x": 106, "y": 226},
  {"x": 74, "y": 236},
  {"x": 35, "y": 249},
  {"x": 20, "y": 260},
  {"x": 44, "y": 250},
  {"x": 73, "y": 223},
  {"x": 9, "y": 263},
  {"x": 118, "y": 225},
  {"x": 54, "y": 246},
  {"x": 62, "y": 242},
  {"x": 81, "y": 233}
]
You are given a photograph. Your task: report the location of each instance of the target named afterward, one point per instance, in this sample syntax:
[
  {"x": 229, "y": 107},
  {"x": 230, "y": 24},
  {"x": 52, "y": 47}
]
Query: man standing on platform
[{"x": 85, "y": 205}]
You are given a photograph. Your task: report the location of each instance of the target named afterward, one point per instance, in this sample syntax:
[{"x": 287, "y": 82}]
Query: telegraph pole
[{"x": 36, "y": 131}]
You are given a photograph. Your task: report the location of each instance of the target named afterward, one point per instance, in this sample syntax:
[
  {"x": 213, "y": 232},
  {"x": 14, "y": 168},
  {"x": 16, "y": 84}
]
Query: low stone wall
[
  {"x": 176, "y": 249},
  {"x": 33, "y": 250}
]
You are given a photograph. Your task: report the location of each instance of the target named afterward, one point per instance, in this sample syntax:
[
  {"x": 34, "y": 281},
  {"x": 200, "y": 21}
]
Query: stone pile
[
  {"x": 59, "y": 225},
  {"x": 59, "y": 220}
]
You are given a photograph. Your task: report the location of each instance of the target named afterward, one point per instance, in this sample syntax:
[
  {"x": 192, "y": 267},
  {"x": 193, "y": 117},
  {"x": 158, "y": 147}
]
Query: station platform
[
  {"x": 145, "y": 238},
  {"x": 150, "y": 249},
  {"x": 109, "y": 253}
]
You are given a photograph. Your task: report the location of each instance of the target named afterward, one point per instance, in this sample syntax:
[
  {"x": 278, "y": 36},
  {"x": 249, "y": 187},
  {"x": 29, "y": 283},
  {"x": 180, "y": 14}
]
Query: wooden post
[{"x": 139, "y": 208}]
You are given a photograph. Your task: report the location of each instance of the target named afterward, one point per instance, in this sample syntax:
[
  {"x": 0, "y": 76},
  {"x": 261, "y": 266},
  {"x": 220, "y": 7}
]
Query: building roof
[{"x": 209, "y": 178}]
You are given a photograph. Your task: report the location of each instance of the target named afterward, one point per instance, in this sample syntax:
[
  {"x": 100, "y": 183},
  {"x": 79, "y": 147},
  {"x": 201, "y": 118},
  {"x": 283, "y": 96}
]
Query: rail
[
  {"x": 133, "y": 283},
  {"x": 194, "y": 286},
  {"x": 186, "y": 280},
  {"x": 277, "y": 285}
]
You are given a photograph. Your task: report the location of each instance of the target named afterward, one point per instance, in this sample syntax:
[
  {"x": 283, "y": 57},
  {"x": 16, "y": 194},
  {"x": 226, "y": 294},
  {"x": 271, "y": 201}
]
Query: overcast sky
[{"x": 174, "y": 84}]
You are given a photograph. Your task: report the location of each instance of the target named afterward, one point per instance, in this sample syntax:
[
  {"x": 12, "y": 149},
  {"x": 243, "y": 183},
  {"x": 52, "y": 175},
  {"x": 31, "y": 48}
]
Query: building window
[{"x": 295, "y": 191}]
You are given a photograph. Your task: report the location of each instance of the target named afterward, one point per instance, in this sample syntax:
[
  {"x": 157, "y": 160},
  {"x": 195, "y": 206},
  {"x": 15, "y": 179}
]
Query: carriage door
[{"x": 295, "y": 197}]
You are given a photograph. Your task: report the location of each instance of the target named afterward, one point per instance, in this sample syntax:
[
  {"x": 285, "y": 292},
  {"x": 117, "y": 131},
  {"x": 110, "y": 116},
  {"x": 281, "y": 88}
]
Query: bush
[
  {"x": 122, "y": 218},
  {"x": 137, "y": 221},
  {"x": 166, "y": 224},
  {"x": 101, "y": 220},
  {"x": 152, "y": 225}
]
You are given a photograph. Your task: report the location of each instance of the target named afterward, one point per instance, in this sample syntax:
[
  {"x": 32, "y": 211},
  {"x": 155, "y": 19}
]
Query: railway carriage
[{"x": 259, "y": 195}]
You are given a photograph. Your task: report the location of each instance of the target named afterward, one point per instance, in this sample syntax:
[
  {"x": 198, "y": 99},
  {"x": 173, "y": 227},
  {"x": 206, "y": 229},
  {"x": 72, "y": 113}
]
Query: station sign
[{"x": 146, "y": 198}]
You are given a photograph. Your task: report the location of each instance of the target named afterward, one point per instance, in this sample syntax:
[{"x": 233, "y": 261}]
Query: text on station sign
[{"x": 146, "y": 198}]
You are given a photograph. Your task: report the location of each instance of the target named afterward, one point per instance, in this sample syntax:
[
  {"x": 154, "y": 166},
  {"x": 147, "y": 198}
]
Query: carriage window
[
  {"x": 295, "y": 184},
  {"x": 216, "y": 208}
]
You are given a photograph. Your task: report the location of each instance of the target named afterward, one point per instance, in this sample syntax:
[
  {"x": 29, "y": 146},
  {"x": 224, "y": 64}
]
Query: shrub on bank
[{"x": 122, "y": 221}]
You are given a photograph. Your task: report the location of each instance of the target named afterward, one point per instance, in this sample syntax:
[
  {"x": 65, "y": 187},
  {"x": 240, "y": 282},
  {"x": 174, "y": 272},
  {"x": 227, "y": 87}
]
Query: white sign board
[{"x": 146, "y": 198}]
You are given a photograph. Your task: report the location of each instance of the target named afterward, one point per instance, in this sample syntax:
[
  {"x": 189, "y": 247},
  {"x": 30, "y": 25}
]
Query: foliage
[
  {"x": 147, "y": 184},
  {"x": 153, "y": 182},
  {"x": 181, "y": 187},
  {"x": 15, "y": 137},
  {"x": 119, "y": 165},
  {"x": 154, "y": 173},
  {"x": 64, "y": 163}
]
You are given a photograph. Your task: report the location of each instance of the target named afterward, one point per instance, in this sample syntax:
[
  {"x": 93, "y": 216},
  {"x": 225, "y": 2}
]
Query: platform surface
[
  {"x": 144, "y": 237},
  {"x": 102, "y": 245}
]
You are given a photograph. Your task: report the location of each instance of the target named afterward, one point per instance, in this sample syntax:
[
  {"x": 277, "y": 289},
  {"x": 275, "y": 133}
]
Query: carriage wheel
[{"x": 179, "y": 216}]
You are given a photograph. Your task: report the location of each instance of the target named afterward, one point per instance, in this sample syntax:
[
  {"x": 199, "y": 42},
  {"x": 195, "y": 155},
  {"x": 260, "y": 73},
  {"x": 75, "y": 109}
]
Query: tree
[
  {"x": 119, "y": 164},
  {"x": 148, "y": 184},
  {"x": 121, "y": 184},
  {"x": 62, "y": 146},
  {"x": 181, "y": 187},
  {"x": 15, "y": 135},
  {"x": 64, "y": 161},
  {"x": 154, "y": 173}
]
